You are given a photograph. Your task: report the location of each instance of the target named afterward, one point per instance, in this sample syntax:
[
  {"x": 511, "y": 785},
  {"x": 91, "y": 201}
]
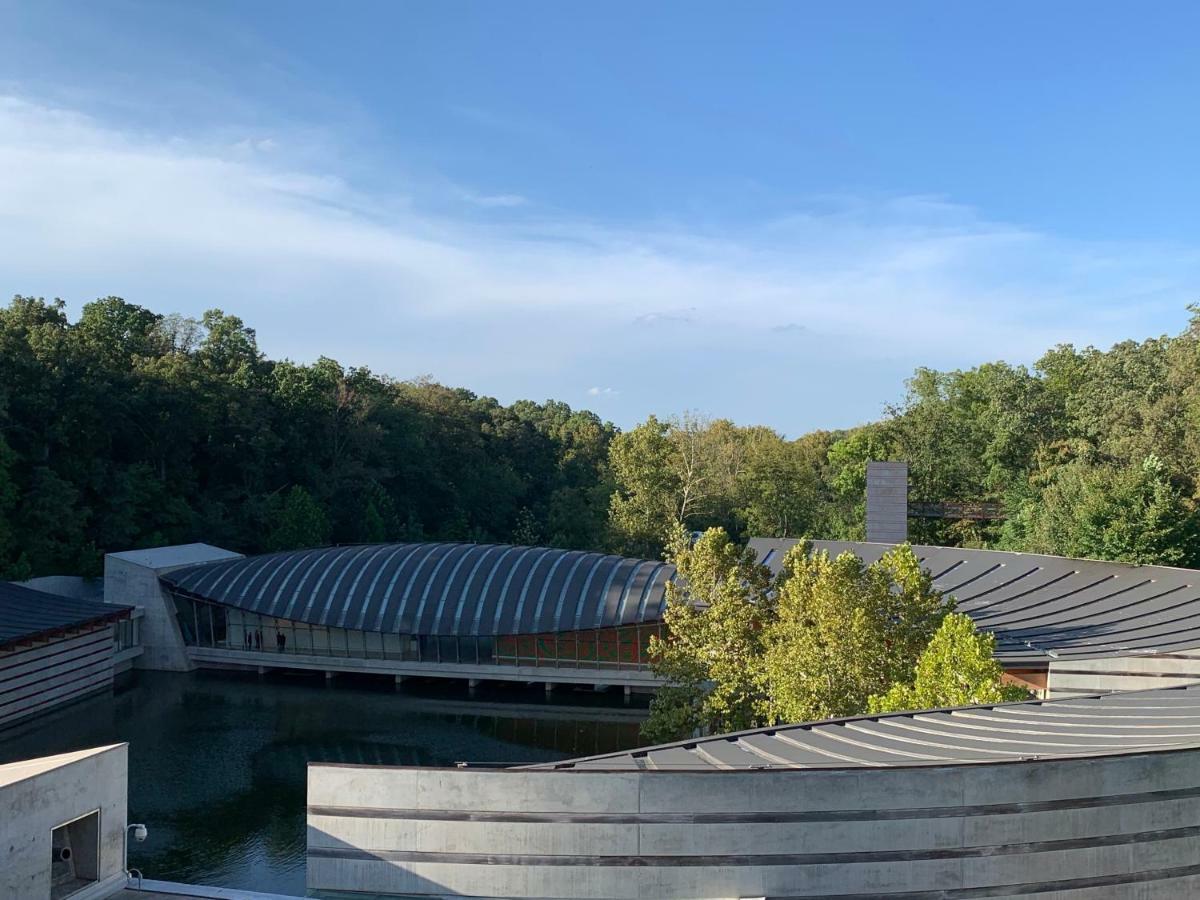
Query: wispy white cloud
[
  {"x": 521, "y": 300},
  {"x": 504, "y": 201},
  {"x": 257, "y": 145},
  {"x": 602, "y": 392},
  {"x": 683, "y": 316}
]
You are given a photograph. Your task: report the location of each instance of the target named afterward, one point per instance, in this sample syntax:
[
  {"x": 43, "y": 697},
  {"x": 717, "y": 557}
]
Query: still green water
[{"x": 217, "y": 762}]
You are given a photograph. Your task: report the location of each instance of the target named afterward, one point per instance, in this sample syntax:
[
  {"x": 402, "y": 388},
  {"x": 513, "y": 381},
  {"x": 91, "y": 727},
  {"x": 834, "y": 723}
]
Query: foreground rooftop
[{"x": 1132, "y": 722}]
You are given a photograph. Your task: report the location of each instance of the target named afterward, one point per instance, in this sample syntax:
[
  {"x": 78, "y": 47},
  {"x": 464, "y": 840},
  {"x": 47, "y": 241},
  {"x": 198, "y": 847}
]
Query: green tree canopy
[
  {"x": 745, "y": 649},
  {"x": 957, "y": 668},
  {"x": 717, "y": 610},
  {"x": 300, "y": 521},
  {"x": 845, "y": 630},
  {"x": 128, "y": 427},
  {"x": 642, "y": 509},
  {"x": 1129, "y": 514}
]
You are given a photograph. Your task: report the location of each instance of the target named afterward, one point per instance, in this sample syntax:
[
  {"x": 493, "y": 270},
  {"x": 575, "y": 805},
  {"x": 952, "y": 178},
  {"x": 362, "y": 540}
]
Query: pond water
[{"x": 217, "y": 761}]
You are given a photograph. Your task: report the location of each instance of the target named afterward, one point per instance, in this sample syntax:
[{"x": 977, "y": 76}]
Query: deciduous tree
[
  {"x": 718, "y": 607},
  {"x": 845, "y": 630},
  {"x": 957, "y": 668}
]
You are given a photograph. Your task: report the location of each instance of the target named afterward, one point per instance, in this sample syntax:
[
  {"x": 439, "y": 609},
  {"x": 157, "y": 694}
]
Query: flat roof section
[
  {"x": 177, "y": 555},
  {"x": 26, "y": 614},
  {"x": 11, "y": 773}
]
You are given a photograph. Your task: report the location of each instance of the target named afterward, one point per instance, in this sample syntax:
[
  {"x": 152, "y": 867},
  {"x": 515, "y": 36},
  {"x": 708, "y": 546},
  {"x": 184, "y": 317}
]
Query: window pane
[
  {"x": 220, "y": 627},
  {"x": 304, "y": 639},
  {"x": 467, "y": 650},
  {"x": 186, "y": 618},
  {"x": 487, "y": 649}
]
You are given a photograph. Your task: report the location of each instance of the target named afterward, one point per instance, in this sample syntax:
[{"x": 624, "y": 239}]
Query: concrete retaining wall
[
  {"x": 1088, "y": 828},
  {"x": 40, "y": 676}
]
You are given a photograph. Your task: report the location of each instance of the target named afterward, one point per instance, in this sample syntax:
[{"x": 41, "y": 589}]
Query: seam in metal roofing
[
  {"x": 1132, "y": 722},
  {"x": 1045, "y": 607},
  {"x": 1039, "y": 607},
  {"x": 27, "y": 614},
  {"x": 437, "y": 589}
]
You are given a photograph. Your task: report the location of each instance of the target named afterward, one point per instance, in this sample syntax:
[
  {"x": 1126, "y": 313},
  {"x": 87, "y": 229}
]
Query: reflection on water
[{"x": 217, "y": 762}]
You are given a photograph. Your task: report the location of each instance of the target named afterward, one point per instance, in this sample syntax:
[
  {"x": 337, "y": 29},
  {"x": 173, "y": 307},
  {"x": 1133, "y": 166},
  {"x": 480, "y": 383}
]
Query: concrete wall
[
  {"x": 131, "y": 578},
  {"x": 1083, "y": 829},
  {"x": 136, "y": 585},
  {"x": 39, "y": 795},
  {"x": 1139, "y": 672},
  {"x": 887, "y": 502},
  {"x": 40, "y": 676}
]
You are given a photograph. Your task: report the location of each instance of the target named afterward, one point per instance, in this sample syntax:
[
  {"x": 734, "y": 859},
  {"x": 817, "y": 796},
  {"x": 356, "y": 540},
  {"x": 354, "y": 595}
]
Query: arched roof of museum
[
  {"x": 437, "y": 588},
  {"x": 1039, "y": 607}
]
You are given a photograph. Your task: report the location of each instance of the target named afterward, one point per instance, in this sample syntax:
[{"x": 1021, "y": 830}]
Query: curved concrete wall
[{"x": 1126, "y": 826}]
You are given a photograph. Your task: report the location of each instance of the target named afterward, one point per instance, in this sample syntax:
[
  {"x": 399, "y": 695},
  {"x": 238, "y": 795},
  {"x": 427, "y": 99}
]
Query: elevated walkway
[{"x": 220, "y": 658}]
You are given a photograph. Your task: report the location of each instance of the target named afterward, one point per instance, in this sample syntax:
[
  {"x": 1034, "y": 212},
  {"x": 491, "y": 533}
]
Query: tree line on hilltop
[{"x": 129, "y": 428}]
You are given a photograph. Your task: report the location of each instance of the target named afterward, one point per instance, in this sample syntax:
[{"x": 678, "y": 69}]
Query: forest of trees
[
  {"x": 1090, "y": 453},
  {"x": 128, "y": 428}
]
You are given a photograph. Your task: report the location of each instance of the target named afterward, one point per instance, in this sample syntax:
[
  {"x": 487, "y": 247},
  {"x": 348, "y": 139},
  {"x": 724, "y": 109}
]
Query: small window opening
[{"x": 75, "y": 855}]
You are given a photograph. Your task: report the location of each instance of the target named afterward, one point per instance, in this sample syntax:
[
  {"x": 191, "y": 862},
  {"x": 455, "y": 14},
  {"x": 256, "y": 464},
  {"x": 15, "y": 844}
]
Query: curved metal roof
[
  {"x": 437, "y": 589},
  {"x": 1164, "y": 719},
  {"x": 1045, "y": 607},
  {"x": 1039, "y": 607}
]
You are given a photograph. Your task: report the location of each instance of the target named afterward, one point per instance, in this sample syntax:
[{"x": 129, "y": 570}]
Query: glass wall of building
[
  {"x": 206, "y": 624},
  {"x": 126, "y": 634}
]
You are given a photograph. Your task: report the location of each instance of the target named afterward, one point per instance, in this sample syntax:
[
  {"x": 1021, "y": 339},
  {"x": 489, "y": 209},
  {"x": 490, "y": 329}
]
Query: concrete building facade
[
  {"x": 132, "y": 577},
  {"x": 1076, "y": 800},
  {"x": 63, "y": 825}
]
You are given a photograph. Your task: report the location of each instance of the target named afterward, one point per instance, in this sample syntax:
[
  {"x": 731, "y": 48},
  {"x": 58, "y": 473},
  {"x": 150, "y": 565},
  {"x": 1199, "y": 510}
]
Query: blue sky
[{"x": 770, "y": 212}]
